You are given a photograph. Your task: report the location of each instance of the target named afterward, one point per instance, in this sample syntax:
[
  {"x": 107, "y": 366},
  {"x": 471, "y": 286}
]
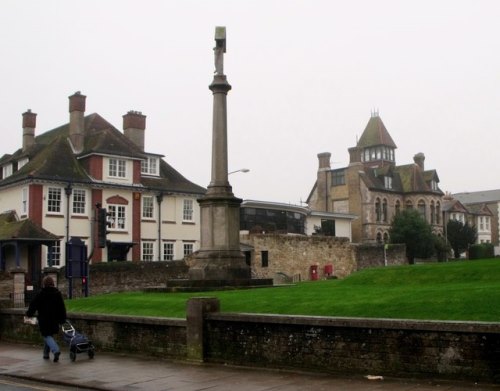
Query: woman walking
[{"x": 51, "y": 312}]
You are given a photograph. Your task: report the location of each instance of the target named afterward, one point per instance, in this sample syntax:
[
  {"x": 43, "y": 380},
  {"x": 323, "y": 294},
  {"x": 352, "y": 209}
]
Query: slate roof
[
  {"x": 375, "y": 134},
  {"x": 12, "y": 229},
  {"x": 51, "y": 157},
  {"x": 405, "y": 179},
  {"x": 474, "y": 197}
]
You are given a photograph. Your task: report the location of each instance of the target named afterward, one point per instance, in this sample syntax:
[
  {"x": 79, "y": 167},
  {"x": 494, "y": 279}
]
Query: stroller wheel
[
  {"x": 91, "y": 353},
  {"x": 72, "y": 356}
]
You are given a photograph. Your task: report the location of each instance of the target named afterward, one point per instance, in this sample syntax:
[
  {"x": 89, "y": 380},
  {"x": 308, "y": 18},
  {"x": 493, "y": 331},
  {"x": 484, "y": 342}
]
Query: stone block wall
[
  {"x": 468, "y": 351},
  {"x": 396, "y": 348},
  {"x": 294, "y": 255}
]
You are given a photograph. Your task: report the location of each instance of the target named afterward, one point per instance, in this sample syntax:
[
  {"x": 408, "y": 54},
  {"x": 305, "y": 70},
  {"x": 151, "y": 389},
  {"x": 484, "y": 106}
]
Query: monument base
[{"x": 219, "y": 265}]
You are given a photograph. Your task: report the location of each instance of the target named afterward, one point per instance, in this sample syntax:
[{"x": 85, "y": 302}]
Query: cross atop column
[{"x": 219, "y": 49}]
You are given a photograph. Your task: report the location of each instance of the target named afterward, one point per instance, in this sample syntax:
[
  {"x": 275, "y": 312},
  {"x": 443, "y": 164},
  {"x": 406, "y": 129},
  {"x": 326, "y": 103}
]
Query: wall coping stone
[
  {"x": 153, "y": 320},
  {"x": 373, "y": 323}
]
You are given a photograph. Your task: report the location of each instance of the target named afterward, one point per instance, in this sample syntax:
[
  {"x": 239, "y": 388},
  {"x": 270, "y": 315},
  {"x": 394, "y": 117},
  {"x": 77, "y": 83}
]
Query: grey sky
[{"x": 305, "y": 76}]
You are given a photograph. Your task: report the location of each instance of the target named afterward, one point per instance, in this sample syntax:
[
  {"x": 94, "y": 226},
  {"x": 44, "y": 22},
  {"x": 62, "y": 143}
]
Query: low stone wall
[
  {"x": 151, "y": 336},
  {"x": 396, "y": 348},
  {"x": 468, "y": 351}
]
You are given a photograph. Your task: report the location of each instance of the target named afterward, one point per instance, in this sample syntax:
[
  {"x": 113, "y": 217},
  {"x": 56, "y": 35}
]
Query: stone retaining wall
[{"x": 467, "y": 351}]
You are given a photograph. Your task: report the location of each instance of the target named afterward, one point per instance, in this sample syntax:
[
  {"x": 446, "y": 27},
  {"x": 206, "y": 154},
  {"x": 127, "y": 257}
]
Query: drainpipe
[
  {"x": 68, "y": 190},
  {"x": 159, "y": 199}
]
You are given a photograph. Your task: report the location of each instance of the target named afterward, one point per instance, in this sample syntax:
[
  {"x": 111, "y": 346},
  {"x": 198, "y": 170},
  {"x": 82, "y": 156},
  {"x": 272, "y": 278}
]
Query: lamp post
[{"x": 244, "y": 170}]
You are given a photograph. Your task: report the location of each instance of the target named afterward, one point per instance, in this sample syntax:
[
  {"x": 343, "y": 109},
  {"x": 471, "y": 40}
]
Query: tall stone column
[{"x": 219, "y": 257}]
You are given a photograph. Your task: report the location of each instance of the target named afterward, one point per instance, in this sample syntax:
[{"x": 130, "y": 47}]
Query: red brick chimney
[
  {"x": 29, "y": 125},
  {"x": 76, "y": 120},
  {"x": 134, "y": 125}
]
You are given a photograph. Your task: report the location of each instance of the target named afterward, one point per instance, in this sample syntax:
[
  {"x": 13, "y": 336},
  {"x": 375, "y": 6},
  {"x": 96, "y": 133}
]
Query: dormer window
[
  {"x": 7, "y": 170},
  {"x": 117, "y": 168},
  {"x": 434, "y": 185},
  {"x": 388, "y": 182},
  {"x": 22, "y": 162},
  {"x": 150, "y": 166}
]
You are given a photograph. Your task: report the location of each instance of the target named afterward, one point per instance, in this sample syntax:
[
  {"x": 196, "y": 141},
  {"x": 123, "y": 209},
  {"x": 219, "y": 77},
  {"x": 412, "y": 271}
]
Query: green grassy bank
[{"x": 465, "y": 290}]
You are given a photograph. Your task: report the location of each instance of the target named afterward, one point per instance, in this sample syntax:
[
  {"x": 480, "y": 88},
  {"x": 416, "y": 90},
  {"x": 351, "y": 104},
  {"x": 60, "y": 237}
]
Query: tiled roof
[
  {"x": 51, "y": 157},
  {"x": 13, "y": 229},
  {"x": 375, "y": 134},
  {"x": 479, "y": 209},
  {"x": 474, "y": 197},
  {"x": 405, "y": 179}
]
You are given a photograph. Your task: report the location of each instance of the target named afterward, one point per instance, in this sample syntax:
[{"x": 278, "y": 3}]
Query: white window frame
[
  {"x": 168, "y": 251},
  {"x": 117, "y": 168},
  {"x": 388, "y": 182},
  {"x": 56, "y": 254},
  {"x": 147, "y": 250},
  {"x": 79, "y": 202},
  {"x": 188, "y": 248},
  {"x": 54, "y": 200},
  {"x": 148, "y": 211},
  {"x": 7, "y": 170},
  {"x": 150, "y": 166},
  {"x": 188, "y": 210},
  {"x": 25, "y": 201},
  {"x": 22, "y": 162},
  {"x": 117, "y": 217}
]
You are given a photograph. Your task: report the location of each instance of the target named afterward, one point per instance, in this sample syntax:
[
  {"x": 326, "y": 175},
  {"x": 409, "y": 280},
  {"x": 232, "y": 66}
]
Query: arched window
[
  {"x": 438, "y": 212},
  {"x": 386, "y": 237},
  {"x": 384, "y": 210},
  {"x": 409, "y": 204},
  {"x": 433, "y": 213},
  {"x": 397, "y": 207},
  {"x": 421, "y": 208},
  {"x": 377, "y": 209},
  {"x": 379, "y": 237}
]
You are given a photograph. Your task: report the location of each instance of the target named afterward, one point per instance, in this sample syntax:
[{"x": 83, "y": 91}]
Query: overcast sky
[{"x": 305, "y": 77}]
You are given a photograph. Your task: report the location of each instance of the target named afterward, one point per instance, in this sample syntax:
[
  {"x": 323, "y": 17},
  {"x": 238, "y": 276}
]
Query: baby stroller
[{"x": 78, "y": 343}]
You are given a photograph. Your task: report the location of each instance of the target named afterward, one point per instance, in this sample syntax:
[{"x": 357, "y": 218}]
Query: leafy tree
[
  {"x": 460, "y": 236},
  {"x": 410, "y": 228},
  {"x": 442, "y": 248}
]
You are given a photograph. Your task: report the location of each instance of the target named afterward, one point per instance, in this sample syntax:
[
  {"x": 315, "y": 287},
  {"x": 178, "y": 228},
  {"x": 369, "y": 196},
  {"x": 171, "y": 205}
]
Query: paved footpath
[{"x": 131, "y": 373}]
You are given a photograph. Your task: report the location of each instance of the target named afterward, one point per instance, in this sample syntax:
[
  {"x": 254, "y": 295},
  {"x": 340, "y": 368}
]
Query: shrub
[{"x": 483, "y": 250}]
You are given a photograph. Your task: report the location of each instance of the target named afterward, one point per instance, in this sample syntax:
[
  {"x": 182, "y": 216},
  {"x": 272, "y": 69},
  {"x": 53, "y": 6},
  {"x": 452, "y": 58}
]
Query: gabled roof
[
  {"x": 375, "y": 134},
  {"x": 479, "y": 210},
  {"x": 51, "y": 157},
  {"x": 474, "y": 197},
  {"x": 405, "y": 179},
  {"x": 453, "y": 206},
  {"x": 12, "y": 229}
]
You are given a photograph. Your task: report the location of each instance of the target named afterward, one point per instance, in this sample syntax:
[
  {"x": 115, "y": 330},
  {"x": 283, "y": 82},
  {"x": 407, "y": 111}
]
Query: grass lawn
[{"x": 464, "y": 290}]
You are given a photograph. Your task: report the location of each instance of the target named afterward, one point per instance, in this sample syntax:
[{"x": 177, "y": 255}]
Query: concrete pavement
[{"x": 131, "y": 373}]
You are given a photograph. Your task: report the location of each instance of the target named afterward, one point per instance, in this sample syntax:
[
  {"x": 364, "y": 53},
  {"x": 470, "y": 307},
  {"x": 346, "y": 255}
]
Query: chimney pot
[{"x": 419, "y": 159}]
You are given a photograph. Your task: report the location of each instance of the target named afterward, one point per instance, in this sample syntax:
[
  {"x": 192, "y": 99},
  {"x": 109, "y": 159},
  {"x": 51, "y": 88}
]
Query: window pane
[
  {"x": 188, "y": 248},
  {"x": 147, "y": 207},
  {"x": 54, "y": 200},
  {"x": 147, "y": 251},
  {"x": 79, "y": 201},
  {"x": 168, "y": 251},
  {"x": 187, "y": 214}
]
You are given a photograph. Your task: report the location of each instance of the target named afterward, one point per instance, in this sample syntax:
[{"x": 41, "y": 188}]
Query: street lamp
[{"x": 244, "y": 170}]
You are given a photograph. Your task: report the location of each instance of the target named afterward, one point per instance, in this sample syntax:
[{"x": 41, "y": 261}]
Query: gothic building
[{"x": 374, "y": 188}]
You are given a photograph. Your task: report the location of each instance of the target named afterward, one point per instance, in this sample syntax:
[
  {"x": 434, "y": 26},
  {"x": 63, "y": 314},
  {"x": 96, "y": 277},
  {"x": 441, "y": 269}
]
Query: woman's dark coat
[{"x": 49, "y": 305}]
